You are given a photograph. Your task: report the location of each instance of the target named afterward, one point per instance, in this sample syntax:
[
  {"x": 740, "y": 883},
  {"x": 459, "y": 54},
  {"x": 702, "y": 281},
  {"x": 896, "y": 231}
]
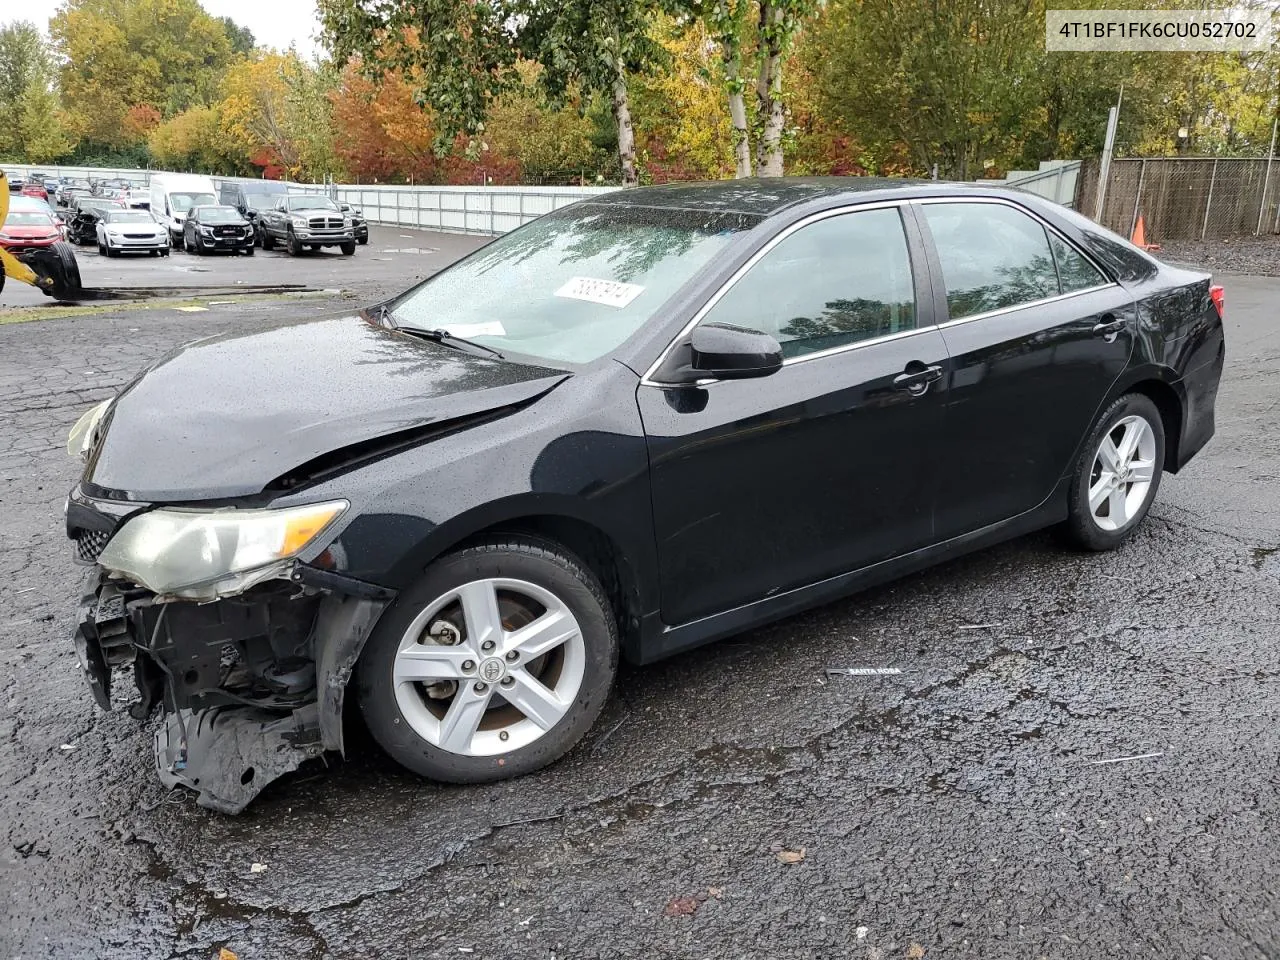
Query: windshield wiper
[{"x": 449, "y": 340}]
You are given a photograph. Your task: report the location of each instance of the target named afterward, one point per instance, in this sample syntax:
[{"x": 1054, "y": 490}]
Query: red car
[
  {"x": 28, "y": 230},
  {"x": 36, "y": 190}
]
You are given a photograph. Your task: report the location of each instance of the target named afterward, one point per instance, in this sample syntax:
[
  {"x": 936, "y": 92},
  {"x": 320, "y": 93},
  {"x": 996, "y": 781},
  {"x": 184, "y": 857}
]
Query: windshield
[
  {"x": 311, "y": 203},
  {"x": 182, "y": 202},
  {"x": 259, "y": 193},
  {"x": 129, "y": 216},
  {"x": 219, "y": 215},
  {"x": 28, "y": 218},
  {"x": 572, "y": 285}
]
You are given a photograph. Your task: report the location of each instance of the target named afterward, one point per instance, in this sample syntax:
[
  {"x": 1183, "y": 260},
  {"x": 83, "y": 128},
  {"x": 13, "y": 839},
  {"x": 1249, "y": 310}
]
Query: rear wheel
[
  {"x": 1117, "y": 475},
  {"x": 493, "y": 665}
]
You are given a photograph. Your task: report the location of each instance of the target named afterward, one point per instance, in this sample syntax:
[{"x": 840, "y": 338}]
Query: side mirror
[{"x": 728, "y": 352}]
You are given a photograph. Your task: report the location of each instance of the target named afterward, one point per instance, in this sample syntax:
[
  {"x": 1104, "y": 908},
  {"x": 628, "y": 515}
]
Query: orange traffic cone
[{"x": 1139, "y": 238}]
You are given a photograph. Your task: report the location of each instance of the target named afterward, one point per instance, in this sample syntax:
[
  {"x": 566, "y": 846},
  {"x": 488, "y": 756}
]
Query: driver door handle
[
  {"x": 1108, "y": 330},
  {"x": 917, "y": 381}
]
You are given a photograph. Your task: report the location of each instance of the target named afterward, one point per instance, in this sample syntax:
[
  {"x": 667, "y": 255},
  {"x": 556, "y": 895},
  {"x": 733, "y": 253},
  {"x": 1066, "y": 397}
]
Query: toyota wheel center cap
[{"x": 492, "y": 670}]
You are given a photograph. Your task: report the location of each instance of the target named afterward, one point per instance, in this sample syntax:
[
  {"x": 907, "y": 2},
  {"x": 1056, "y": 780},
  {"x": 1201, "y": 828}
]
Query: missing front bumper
[{"x": 250, "y": 687}]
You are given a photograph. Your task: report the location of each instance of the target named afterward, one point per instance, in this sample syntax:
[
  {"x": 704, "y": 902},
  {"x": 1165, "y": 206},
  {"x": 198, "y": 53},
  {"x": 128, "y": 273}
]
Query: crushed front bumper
[{"x": 249, "y": 686}]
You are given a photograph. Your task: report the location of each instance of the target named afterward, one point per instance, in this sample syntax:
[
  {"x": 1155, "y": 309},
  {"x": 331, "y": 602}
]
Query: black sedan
[
  {"x": 211, "y": 228},
  {"x": 636, "y": 425}
]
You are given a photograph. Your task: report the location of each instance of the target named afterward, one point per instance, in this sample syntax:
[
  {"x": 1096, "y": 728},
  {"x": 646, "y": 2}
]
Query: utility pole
[
  {"x": 1104, "y": 171},
  {"x": 1266, "y": 180}
]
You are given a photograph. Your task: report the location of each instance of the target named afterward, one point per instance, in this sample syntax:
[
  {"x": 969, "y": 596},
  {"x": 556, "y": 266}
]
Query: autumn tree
[
  {"x": 194, "y": 141},
  {"x": 116, "y": 54}
]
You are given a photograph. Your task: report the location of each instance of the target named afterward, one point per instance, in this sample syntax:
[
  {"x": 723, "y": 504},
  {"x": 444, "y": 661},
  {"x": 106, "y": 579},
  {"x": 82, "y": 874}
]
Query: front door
[
  {"x": 1037, "y": 336},
  {"x": 765, "y": 485}
]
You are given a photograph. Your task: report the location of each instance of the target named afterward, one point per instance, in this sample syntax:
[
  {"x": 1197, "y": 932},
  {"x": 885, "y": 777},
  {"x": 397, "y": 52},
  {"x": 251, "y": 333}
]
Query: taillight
[{"x": 1219, "y": 298}]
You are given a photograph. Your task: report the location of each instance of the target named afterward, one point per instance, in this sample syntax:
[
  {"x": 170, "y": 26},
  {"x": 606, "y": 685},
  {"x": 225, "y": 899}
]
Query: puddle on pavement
[
  {"x": 96, "y": 294},
  {"x": 1260, "y": 555},
  {"x": 419, "y": 250}
]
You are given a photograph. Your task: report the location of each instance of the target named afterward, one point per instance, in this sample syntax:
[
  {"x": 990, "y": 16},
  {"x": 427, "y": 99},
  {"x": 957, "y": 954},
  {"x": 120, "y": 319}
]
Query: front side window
[
  {"x": 572, "y": 285},
  {"x": 993, "y": 256},
  {"x": 830, "y": 284}
]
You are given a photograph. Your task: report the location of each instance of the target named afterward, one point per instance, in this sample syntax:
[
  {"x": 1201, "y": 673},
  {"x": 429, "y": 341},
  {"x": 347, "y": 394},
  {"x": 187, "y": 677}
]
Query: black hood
[{"x": 227, "y": 416}]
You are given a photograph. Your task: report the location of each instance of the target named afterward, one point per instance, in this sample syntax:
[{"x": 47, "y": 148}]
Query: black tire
[
  {"x": 248, "y": 251},
  {"x": 155, "y": 253},
  {"x": 268, "y": 241},
  {"x": 362, "y": 241},
  {"x": 539, "y": 562},
  {"x": 295, "y": 248},
  {"x": 102, "y": 250},
  {"x": 348, "y": 249},
  {"x": 1080, "y": 528},
  {"x": 164, "y": 252}
]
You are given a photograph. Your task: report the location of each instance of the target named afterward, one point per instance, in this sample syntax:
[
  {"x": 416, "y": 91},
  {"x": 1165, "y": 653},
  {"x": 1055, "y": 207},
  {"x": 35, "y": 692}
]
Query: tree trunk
[
  {"x": 769, "y": 106},
  {"x": 737, "y": 111},
  {"x": 626, "y": 135}
]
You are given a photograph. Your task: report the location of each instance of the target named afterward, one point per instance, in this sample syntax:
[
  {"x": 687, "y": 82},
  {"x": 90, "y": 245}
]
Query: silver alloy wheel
[
  {"x": 1123, "y": 468},
  {"x": 489, "y": 667}
]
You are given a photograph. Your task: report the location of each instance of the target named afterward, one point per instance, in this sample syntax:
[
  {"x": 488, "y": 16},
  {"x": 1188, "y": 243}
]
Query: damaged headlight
[
  {"x": 207, "y": 554},
  {"x": 80, "y": 439}
]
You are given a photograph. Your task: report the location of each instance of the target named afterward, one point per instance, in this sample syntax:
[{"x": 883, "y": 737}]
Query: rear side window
[
  {"x": 993, "y": 257},
  {"x": 832, "y": 283},
  {"x": 1074, "y": 271}
]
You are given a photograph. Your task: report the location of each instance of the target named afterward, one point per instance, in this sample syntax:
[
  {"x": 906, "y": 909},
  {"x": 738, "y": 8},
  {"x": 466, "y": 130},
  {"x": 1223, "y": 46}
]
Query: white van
[{"x": 174, "y": 194}]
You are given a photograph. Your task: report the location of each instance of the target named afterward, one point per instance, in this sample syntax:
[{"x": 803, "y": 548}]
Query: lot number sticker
[{"x": 611, "y": 293}]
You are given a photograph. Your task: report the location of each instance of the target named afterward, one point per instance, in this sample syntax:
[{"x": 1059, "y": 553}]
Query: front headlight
[
  {"x": 80, "y": 439},
  {"x": 182, "y": 552},
  {"x": 346, "y": 222},
  {"x": 299, "y": 221}
]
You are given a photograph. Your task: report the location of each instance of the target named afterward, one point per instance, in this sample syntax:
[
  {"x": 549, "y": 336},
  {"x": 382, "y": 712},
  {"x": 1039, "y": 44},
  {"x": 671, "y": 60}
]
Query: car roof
[
  {"x": 29, "y": 205},
  {"x": 770, "y": 195}
]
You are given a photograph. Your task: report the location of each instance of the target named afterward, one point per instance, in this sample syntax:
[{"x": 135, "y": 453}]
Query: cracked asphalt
[{"x": 959, "y": 809}]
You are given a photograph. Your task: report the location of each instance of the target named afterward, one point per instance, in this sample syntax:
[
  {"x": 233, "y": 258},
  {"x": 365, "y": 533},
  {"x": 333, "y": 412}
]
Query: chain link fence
[{"x": 1185, "y": 198}]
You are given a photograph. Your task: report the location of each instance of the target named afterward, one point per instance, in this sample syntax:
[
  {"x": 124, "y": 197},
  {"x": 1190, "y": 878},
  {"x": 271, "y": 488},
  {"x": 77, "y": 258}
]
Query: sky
[{"x": 275, "y": 23}]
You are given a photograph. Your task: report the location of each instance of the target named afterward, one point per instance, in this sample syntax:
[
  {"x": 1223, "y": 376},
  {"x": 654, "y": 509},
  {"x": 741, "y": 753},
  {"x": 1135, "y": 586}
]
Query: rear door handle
[
  {"x": 1108, "y": 330},
  {"x": 916, "y": 382}
]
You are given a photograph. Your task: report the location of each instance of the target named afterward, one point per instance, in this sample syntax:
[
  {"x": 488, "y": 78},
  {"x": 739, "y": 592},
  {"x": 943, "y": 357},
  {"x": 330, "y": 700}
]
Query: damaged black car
[{"x": 638, "y": 424}]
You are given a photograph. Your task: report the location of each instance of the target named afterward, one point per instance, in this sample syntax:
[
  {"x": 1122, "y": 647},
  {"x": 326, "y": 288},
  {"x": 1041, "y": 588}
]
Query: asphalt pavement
[{"x": 1078, "y": 759}]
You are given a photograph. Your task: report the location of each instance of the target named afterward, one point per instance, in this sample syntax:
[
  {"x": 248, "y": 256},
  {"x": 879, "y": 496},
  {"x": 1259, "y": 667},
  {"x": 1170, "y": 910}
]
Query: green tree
[
  {"x": 117, "y": 54},
  {"x": 31, "y": 130},
  {"x": 241, "y": 38}
]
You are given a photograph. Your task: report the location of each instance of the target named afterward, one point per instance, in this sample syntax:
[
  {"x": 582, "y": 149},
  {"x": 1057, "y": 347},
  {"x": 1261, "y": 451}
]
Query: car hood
[
  {"x": 232, "y": 415},
  {"x": 29, "y": 233}
]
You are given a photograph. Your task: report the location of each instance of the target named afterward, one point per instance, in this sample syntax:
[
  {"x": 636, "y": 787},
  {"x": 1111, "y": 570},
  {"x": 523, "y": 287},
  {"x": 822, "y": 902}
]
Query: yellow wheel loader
[{"x": 51, "y": 270}]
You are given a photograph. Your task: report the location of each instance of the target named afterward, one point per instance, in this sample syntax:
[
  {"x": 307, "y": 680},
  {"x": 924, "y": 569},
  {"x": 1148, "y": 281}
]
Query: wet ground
[{"x": 1079, "y": 758}]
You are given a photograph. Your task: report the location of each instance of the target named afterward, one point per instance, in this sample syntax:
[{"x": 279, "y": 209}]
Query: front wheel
[
  {"x": 348, "y": 249},
  {"x": 362, "y": 241},
  {"x": 295, "y": 248},
  {"x": 268, "y": 241},
  {"x": 1117, "y": 475},
  {"x": 248, "y": 251},
  {"x": 493, "y": 665}
]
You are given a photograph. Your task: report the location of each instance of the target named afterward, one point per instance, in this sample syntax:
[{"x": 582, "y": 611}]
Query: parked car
[
  {"x": 138, "y": 198},
  {"x": 174, "y": 194},
  {"x": 28, "y": 226},
  {"x": 34, "y": 188},
  {"x": 306, "y": 221},
  {"x": 69, "y": 188},
  {"x": 82, "y": 225},
  {"x": 210, "y": 228},
  {"x": 359, "y": 225},
  {"x": 251, "y": 197},
  {"x": 110, "y": 187},
  {"x": 122, "y": 230},
  {"x": 640, "y": 423}
]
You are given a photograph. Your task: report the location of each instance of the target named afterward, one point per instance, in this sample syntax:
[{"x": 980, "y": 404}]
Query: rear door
[
  {"x": 764, "y": 485},
  {"x": 1037, "y": 335}
]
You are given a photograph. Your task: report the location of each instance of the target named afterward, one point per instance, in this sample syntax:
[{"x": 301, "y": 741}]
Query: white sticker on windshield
[
  {"x": 491, "y": 328},
  {"x": 612, "y": 293}
]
